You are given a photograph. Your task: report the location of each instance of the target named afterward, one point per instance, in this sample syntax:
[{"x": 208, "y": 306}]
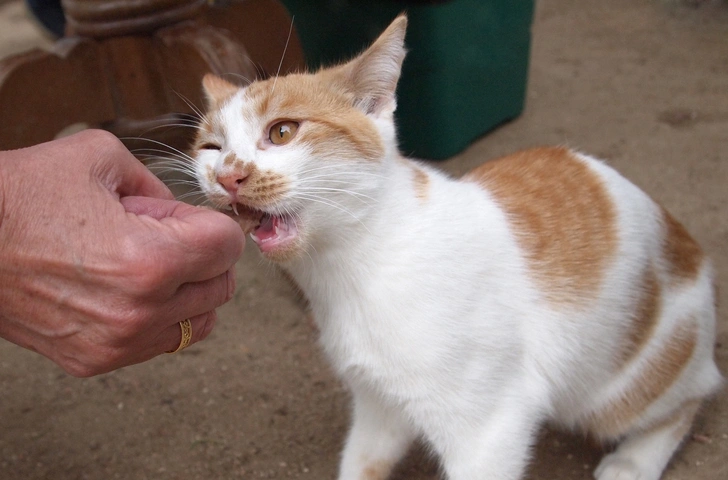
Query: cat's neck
[{"x": 392, "y": 215}]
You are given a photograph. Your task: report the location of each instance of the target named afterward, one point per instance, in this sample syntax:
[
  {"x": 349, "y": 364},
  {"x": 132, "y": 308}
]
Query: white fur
[{"x": 429, "y": 315}]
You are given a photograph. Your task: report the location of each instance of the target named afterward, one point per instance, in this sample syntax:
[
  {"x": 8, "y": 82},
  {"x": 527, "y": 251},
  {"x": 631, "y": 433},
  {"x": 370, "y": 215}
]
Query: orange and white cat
[{"x": 541, "y": 287}]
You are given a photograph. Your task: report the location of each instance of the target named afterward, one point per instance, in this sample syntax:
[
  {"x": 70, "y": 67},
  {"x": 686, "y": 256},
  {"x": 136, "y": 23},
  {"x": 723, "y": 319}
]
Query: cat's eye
[
  {"x": 281, "y": 133},
  {"x": 210, "y": 146}
]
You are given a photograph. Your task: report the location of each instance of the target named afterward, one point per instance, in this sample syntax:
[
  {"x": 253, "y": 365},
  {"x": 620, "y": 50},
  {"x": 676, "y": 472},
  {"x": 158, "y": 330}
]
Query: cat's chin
[{"x": 276, "y": 235}]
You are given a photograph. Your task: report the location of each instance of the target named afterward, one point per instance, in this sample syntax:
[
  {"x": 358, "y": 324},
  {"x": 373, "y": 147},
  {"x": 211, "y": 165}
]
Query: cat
[{"x": 540, "y": 287}]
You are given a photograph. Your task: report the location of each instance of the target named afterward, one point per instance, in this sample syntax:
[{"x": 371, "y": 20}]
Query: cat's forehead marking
[
  {"x": 562, "y": 216},
  {"x": 335, "y": 128},
  {"x": 658, "y": 374},
  {"x": 682, "y": 254},
  {"x": 258, "y": 94}
]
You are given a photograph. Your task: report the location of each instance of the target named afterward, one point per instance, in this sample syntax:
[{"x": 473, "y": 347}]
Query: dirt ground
[{"x": 642, "y": 83}]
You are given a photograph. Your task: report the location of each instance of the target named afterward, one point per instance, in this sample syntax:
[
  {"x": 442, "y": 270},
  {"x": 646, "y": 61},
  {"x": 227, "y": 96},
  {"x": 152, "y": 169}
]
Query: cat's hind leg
[
  {"x": 643, "y": 455},
  {"x": 378, "y": 439}
]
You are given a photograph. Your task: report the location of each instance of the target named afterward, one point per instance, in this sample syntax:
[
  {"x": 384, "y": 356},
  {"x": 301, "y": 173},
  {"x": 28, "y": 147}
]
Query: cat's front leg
[
  {"x": 378, "y": 439},
  {"x": 491, "y": 447}
]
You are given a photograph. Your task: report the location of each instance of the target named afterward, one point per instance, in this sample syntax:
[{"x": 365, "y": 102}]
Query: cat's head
[{"x": 300, "y": 156}]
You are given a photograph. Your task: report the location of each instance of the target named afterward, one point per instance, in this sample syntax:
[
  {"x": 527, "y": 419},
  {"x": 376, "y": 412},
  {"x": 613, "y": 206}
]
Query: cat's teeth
[
  {"x": 234, "y": 208},
  {"x": 227, "y": 207}
]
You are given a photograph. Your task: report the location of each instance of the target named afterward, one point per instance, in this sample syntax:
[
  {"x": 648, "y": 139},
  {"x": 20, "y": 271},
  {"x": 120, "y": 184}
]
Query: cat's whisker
[
  {"x": 331, "y": 203},
  {"x": 175, "y": 125},
  {"x": 308, "y": 245},
  {"x": 337, "y": 173},
  {"x": 336, "y": 178},
  {"x": 283, "y": 56},
  {"x": 358, "y": 195},
  {"x": 193, "y": 195},
  {"x": 157, "y": 142},
  {"x": 167, "y": 154},
  {"x": 161, "y": 165},
  {"x": 190, "y": 117},
  {"x": 166, "y": 176},
  {"x": 190, "y": 104},
  {"x": 182, "y": 182},
  {"x": 238, "y": 75},
  {"x": 176, "y": 164}
]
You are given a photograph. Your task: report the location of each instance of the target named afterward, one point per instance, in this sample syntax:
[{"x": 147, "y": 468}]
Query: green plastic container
[{"x": 465, "y": 72}]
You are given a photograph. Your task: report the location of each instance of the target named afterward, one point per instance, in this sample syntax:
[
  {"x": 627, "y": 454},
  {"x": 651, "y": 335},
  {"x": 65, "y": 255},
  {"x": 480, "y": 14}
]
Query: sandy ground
[{"x": 642, "y": 83}]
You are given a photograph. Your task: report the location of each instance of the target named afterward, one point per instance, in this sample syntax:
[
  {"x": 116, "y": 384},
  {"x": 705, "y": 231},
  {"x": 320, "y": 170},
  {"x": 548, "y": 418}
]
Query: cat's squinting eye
[
  {"x": 281, "y": 133},
  {"x": 210, "y": 146}
]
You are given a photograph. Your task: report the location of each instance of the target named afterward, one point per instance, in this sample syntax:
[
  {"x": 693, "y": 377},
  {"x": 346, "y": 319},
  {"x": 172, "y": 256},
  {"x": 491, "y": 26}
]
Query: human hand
[{"x": 98, "y": 263}]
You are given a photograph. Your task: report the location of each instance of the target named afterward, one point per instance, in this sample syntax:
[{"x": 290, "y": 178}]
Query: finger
[
  {"x": 156, "y": 208},
  {"x": 117, "y": 169},
  {"x": 197, "y": 244},
  {"x": 202, "y": 325},
  {"x": 136, "y": 179},
  {"x": 192, "y": 299}
]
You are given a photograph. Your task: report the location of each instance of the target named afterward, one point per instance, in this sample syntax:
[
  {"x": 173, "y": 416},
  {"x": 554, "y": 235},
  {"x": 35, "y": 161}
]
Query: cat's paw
[{"x": 616, "y": 467}]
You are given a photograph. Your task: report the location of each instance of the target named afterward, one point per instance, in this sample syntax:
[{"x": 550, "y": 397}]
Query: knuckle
[
  {"x": 208, "y": 325},
  {"x": 147, "y": 275},
  {"x": 78, "y": 370},
  {"x": 150, "y": 279},
  {"x": 101, "y": 138},
  {"x": 129, "y": 323},
  {"x": 87, "y": 368}
]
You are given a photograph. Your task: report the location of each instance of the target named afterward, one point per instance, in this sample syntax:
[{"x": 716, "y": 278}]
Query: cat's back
[{"x": 575, "y": 219}]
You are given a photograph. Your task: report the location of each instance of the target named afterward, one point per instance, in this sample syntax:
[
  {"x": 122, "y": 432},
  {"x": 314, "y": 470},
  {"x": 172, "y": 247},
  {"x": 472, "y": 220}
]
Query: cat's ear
[
  {"x": 217, "y": 89},
  {"x": 374, "y": 74}
]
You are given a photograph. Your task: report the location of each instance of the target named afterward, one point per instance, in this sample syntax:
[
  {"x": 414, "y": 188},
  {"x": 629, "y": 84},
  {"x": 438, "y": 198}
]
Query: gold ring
[{"x": 186, "y": 328}]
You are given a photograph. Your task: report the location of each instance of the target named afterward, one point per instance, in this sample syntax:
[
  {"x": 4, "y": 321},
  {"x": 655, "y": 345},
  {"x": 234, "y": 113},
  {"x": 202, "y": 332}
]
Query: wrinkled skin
[{"x": 98, "y": 263}]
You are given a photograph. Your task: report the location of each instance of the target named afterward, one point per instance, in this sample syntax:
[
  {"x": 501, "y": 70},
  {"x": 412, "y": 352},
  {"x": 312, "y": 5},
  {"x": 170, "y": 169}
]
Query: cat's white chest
[{"x": 365, "y": 348}]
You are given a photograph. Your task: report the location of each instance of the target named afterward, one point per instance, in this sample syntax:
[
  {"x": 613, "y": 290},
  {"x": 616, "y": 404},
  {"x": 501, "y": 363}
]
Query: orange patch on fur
[
  {"x": 682, "y": 254},
  {"x": 217, "y": 89},
  {"x": 259, "y": 92},
  {"x": 656, "y": 376},
  {"x": 330, "y": 125},
  {"x": 229, "y": 160},
  {"x": 210, "y": 174},
  {"x": 377, "y": 471},
  {"x": 562, "y": 216},
  {"x": 420, "y": 178},
  {"x": 645, "y": 318},
  {"x": 261, "y": 188},
  {"x": 421, "y": 182}
]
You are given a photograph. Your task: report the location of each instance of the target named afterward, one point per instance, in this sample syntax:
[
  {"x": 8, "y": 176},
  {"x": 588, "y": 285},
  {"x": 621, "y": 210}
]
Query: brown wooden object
[{"x": 134, "y": 67}]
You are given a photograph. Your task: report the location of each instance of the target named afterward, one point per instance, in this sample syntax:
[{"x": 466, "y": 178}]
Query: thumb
[
  {"x": 155, "y": 207},
  {"x": 117, "y": 169},
  {"x": 208, "y": 241},
  {"x": 136, "y": 179}
]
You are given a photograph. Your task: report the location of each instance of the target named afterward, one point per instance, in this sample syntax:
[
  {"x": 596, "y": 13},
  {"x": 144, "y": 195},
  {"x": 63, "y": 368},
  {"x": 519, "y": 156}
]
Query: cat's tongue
[{"x": 274, "y": 232}]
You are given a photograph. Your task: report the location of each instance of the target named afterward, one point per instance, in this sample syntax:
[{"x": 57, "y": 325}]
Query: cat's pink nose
[{"x": 232, "y": 182}]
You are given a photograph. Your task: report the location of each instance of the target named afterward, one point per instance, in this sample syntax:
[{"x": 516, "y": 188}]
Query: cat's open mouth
[{"x": 270, "y": 232}]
